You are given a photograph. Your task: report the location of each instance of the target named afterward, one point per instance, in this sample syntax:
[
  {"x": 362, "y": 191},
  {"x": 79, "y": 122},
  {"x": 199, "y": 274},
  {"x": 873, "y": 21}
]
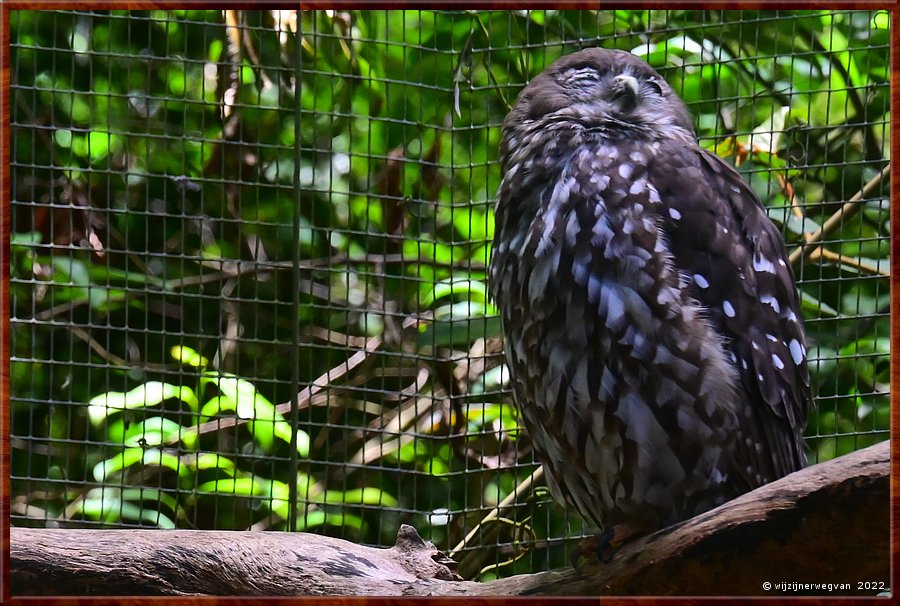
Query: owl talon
[
  {"x": 602, "y": 545},
  {"x": 605, "y": 544}
]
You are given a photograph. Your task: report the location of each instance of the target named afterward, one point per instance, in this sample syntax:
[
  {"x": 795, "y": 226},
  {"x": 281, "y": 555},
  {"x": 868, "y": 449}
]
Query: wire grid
[{"x": 182, "y": 217}]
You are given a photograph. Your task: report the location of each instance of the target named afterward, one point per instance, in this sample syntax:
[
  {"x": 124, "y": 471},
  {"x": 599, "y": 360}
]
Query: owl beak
[{"x": 625, "y": 90}]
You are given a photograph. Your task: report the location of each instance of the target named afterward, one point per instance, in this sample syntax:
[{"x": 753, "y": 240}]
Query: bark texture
[{"x": 829, "y": 523}]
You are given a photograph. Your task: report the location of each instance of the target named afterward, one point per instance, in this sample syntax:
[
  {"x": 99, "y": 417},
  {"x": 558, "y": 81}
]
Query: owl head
[{"x": 610, "y": 94}]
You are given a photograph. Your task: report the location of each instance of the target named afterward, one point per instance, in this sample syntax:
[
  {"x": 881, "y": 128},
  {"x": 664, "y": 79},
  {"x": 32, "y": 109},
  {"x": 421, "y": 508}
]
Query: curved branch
[{"x": 829, "y": 523}]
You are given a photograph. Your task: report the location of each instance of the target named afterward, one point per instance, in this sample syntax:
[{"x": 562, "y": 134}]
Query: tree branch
[{"x": 829, "y": 523}]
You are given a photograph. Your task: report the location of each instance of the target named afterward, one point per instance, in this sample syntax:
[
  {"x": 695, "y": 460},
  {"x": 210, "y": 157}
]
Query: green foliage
[
  {"x": 209, "y": 220},
  {"x": 158, "y": 442}
]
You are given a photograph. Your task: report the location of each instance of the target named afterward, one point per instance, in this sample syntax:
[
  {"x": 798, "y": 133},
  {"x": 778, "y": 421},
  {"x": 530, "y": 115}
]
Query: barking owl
[{"x": 651, "y": 321}]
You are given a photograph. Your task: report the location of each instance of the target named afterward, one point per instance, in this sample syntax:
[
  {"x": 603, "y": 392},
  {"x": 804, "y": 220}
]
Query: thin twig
[
  {"x": 99, "y": 349},
  {"x": 850, "y": 208},
  {"x": 334, "y": 337},
  {"x": 378, "y": 410},
  {"x": 523, "y": 488},
  {"x": 838, "y": 258},
  {"x": 410, "y": 413},
  {"x": 322, "y": 382}
]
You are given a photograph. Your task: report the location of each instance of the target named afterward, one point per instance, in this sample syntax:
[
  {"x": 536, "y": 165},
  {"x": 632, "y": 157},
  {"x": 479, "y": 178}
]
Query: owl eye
[{"x": 582, "y": 75}]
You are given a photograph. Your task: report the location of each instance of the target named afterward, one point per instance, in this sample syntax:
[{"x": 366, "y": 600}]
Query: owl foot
[{"x": 605, "y": 544}]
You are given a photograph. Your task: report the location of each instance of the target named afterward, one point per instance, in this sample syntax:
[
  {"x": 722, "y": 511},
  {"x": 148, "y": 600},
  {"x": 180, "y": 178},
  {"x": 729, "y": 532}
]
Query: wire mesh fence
[{"x": 248, "y": 256}]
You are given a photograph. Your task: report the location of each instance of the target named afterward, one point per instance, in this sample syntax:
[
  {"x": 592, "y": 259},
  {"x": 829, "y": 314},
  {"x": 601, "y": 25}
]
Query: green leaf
[
  {"x": 816, "y": 308},
  {"x": 232, "y": 486},
  {"x": 473, "y": 289},
  {"x": 266, "y": 423},
  {"x": 767, "y": 136},
  {"x": 156, "y": 431},
  {"x": 189, "y": 357},
  {"x": 317, "y": 518},
  {"x": 99, "y": 144},
  {"x": 151, "y": 495},
  {"x": 63, "y": 138},
  {"x": 142, "y": 396},
  {"x": 25, "y": 240},
  {"x": 312, "y": 519},
  {"x": 881, "y": 20},
  {"x": 278, "y": 498},
  {"x": 459, "y": 324},
  {"x": 364, "y": 496},
  {"x": 437, "y": 467},
  {"x": 491, "y": 381},
  {"x": 133, "y": 456},
  {"x": 794, "y": 223},
  {"x": 73, "y": 274},
  {"x": 474, "y": 224},
  {"x": 108, "y": 505},
  {"x": 211, "y": 460}
]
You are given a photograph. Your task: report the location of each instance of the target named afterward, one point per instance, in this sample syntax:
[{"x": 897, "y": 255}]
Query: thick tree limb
[{"x": 829, "y": 523}]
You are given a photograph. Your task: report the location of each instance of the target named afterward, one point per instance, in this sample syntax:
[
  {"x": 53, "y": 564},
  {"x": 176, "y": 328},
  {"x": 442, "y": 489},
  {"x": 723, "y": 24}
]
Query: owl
[{"x": 651, "y": 322}]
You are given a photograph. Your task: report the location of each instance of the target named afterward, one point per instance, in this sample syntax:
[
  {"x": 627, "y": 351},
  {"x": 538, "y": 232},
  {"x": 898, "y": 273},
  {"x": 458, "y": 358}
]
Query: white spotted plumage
[{"x": 639, "y": 282}]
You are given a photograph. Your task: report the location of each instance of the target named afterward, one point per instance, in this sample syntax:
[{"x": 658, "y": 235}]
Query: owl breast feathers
[{"x": 651, "y": 320}]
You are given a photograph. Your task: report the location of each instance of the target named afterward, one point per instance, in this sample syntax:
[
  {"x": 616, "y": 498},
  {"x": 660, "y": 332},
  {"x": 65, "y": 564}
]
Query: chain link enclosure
[{"x": 248, "y": 256}]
